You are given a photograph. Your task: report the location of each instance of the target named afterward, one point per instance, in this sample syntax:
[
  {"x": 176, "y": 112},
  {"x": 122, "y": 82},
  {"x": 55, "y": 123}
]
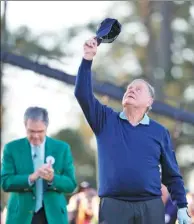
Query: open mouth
[{"x": 132, "y": 97}]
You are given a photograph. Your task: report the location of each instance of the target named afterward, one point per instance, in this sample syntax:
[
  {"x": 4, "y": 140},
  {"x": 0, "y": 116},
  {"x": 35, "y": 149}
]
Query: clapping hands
[{"x": 46, "y": 172}]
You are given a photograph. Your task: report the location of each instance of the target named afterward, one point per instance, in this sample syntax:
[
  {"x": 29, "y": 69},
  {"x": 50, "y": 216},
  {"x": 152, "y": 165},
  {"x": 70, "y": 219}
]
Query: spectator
[
  {"x": 83, "y": 206},
  {"x": 170, "y": 208}
]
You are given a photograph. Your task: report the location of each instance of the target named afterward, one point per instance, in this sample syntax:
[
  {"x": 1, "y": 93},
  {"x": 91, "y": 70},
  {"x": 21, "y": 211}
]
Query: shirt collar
[
  {"x": 145, "y": 120},
  {"x": 41, "y": 145}
]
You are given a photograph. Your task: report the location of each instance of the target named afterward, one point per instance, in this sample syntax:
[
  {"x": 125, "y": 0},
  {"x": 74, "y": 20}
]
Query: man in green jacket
[{"x": 37, "y": 171}]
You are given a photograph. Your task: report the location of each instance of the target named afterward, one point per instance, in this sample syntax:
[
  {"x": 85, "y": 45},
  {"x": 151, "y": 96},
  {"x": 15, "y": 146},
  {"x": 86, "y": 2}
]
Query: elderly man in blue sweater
[{"x": 131, "y": 148}]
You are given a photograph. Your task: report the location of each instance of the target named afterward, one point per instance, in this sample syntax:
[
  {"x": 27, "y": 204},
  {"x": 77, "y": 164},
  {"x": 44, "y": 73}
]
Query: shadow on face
[{"x": 36, "y": 131}]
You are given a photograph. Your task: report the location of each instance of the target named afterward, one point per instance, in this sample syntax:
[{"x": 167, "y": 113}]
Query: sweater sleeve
[
  {"x": 95, "y": 113},
  {"x": 171, "y": 176}
]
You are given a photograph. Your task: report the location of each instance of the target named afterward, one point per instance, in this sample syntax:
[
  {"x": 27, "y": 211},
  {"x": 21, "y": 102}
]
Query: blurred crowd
[
  {"x": 83, "y": 206},
  {"x": 171, "y": 208}
]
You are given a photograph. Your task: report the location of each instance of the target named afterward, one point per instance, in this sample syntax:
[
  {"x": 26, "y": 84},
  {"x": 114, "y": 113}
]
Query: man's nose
[
  {"x": 35, "y": 135},
  {"x": 132, "y": 90}
]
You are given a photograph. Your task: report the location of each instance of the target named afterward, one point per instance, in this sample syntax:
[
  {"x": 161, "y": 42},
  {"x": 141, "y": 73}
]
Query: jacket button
[
  {"x": 31, "y": 211},
  {"x": 33, "y": 197}
]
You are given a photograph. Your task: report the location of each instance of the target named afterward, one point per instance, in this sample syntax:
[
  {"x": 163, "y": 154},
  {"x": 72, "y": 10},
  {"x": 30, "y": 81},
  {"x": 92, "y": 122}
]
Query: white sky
[
  {"x": 24, "y": 88},
  {"x": 53, "y": 15}
]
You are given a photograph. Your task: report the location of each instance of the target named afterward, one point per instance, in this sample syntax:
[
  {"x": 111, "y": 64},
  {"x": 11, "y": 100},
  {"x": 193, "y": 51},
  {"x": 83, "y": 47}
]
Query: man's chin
[
  {"x": 35, "y": 143},
  {"x": 128, "y": 103}
]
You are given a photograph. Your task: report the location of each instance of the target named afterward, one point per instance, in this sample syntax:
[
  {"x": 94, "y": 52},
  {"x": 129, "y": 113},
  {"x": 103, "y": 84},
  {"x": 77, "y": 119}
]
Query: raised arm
[{"x": 95, "y": 113}]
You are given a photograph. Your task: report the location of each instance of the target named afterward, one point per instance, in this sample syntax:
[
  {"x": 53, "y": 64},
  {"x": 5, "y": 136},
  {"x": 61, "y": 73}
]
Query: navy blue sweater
[{"x": 129, "y": 156}]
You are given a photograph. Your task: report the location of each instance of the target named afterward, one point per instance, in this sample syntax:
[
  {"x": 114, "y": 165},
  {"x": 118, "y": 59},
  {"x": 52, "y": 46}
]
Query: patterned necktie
[{"x": 38, "y": 162}]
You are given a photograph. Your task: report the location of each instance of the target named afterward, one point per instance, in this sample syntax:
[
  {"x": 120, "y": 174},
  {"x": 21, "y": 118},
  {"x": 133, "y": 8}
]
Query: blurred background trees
[
  {"x": 156, "y": 43},
  {"x": 83, "y": 154}
]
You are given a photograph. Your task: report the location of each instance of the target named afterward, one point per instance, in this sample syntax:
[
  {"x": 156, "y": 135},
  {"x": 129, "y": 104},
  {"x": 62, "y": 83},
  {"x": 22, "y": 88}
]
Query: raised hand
[{"x": 90, "y": 49}]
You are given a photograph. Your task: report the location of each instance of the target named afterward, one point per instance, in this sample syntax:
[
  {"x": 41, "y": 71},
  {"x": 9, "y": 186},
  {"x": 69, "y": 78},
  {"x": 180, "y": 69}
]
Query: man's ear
[{"x": 150, "y": 102}]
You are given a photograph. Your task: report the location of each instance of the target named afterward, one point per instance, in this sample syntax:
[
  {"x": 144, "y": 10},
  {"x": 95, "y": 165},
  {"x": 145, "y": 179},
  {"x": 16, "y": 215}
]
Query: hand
[
  {"x": 46, "y": 172},
  {"x": 90, "y": 48},
  {"x": 34, "y": 176},
  {"x": 183, "y": 217}
]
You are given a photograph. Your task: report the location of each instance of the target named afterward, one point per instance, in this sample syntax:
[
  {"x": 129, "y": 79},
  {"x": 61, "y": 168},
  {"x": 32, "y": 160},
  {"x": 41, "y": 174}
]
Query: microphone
[{"x": 34, "y": 156}]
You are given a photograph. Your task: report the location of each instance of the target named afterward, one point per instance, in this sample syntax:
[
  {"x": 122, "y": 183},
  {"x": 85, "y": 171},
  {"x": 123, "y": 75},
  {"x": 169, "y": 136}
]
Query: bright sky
[
  {"x": 24, "y": 88},
  {"x": 53, "y": 15}
]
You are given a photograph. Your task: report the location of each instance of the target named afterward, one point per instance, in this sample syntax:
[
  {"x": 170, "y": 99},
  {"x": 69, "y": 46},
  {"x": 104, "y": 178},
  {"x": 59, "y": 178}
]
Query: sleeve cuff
[
  {"x": 87, "y": 63},
  {"x": 29, "y": 182},
  {"x": 182, "y": 205},
  {"x": 50, "y": 183}
]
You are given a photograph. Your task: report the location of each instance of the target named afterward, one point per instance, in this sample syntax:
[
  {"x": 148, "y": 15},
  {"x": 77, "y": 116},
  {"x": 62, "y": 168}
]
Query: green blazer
[{"x": 17, "y": 165}]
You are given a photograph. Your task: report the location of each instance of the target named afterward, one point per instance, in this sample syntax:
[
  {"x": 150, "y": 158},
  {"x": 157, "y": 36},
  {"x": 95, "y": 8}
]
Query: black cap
[{"x": 108, "y": 31}]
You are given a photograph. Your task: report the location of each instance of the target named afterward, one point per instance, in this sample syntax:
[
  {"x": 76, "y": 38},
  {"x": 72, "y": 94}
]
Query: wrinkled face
[
  {"x": 137, "y": 95},
  {"x": 36, "y": 131}
]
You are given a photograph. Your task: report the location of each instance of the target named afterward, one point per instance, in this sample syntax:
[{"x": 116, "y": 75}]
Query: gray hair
[
  {"x": 150, "y": 88},
  {"x": 37, "y": 114}
]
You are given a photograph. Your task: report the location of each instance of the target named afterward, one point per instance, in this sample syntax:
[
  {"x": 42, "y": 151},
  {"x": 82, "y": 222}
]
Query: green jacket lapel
[
  {"x": 48, "y": 148},
  {"x": 28, "y": 161},
  {"x": 48, "y": 152},
  {"x": 27, "y": 155}
]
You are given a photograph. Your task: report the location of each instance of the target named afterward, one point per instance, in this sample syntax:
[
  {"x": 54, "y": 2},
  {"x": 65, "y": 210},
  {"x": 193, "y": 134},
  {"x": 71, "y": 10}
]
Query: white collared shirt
[
  {"x": 145, "y": 120},
  {"x": 41, "y": 148}
]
